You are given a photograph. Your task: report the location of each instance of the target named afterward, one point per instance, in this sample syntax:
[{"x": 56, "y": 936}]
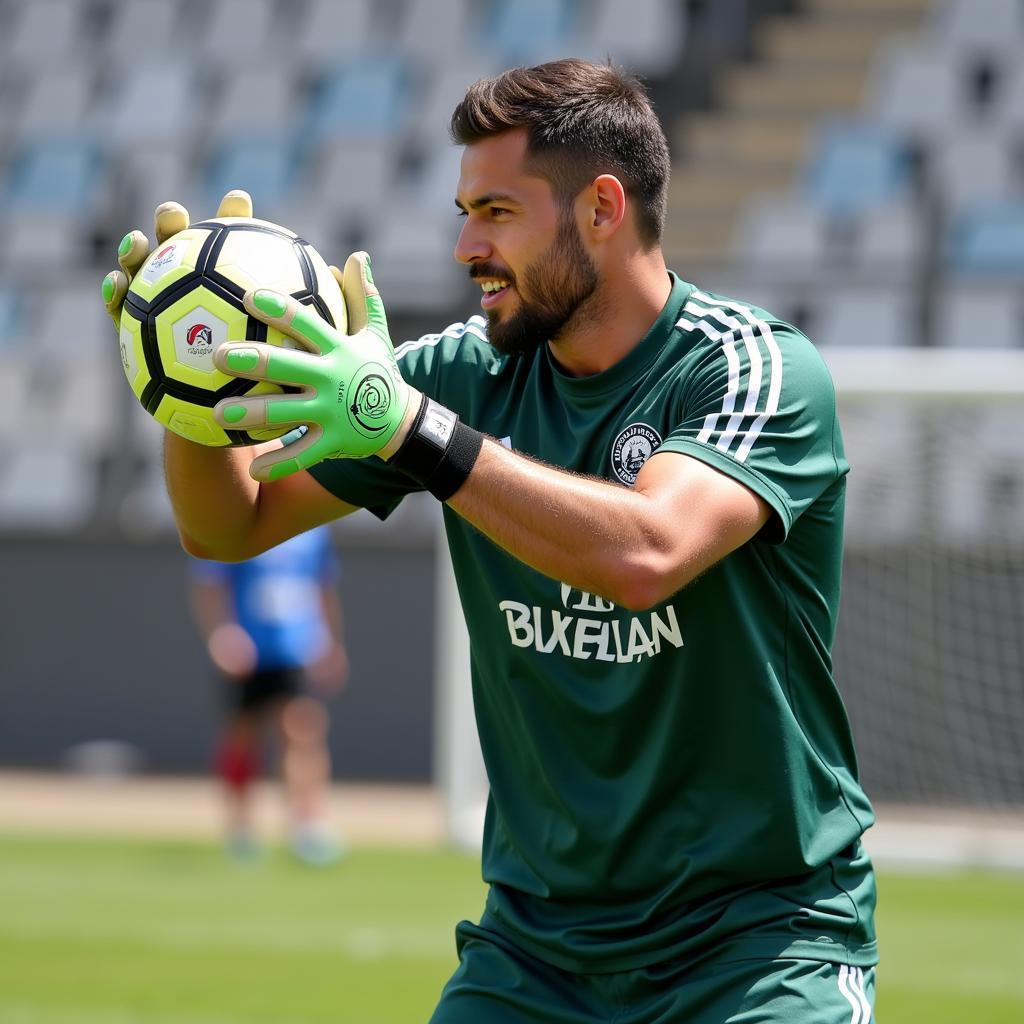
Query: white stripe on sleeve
[{"x": 724, "y": 310}]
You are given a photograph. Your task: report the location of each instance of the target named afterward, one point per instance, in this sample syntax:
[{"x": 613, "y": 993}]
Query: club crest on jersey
[{"x": 631, "y": 449}]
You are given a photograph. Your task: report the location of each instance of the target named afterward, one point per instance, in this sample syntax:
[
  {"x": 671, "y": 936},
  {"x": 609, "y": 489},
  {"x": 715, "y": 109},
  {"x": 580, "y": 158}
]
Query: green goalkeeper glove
[
  {"x": 169, "y": 219},
  {"x": 351, "y": 393},
  {"x": 352, "y": 397}
]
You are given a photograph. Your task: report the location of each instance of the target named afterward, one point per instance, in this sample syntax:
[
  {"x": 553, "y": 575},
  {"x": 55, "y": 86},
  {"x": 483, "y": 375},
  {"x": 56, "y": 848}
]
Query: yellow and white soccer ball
[{"x": 186, "y": 300}]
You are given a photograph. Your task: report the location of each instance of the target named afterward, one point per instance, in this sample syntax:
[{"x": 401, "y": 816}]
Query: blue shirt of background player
[{"x": 277, "y": 597}]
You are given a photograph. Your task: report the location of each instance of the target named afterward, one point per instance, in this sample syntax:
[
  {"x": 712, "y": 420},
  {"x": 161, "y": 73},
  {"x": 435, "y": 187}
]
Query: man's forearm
[
  {"x": 213, "y": 497},
  {"x": 579, "y": 530}
]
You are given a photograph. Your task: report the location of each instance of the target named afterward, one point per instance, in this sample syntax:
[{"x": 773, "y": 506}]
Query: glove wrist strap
[{"x": 439, "y": 451}]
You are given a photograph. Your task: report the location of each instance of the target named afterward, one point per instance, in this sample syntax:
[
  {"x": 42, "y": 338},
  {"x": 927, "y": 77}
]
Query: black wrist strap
[{"x": 439, "y": 451}]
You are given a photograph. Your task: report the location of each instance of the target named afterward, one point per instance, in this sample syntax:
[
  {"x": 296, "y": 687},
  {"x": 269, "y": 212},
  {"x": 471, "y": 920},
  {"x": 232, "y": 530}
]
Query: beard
[{"x": 559, "y": 283}]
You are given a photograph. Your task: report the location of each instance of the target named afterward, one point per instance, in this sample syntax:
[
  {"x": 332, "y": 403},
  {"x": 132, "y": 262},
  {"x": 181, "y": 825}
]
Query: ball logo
[
  {"x": 631, "y": 449},
  {"x": 163, "y": 261},
  {"x": 199, "y": 334},
  {"x": 371, "y": 402}
]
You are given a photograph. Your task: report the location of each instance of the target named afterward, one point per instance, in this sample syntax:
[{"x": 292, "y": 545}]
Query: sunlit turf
[{"x": 120, "y": 931}]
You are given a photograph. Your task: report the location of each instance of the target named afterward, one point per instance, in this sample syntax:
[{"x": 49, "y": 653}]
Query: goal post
[{"x": 930, "y": 649}]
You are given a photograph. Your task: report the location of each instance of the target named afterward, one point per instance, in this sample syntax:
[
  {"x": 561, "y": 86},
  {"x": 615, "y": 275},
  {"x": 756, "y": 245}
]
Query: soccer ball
[{"x": 186, "y": 300}]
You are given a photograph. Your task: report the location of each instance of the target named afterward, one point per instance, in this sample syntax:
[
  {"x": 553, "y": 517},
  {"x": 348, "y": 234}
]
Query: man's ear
[{"x": 607, "y": 206}]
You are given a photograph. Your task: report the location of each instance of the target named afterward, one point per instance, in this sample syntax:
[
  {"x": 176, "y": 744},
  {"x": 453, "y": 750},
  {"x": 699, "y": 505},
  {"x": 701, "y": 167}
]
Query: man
[
  {"x": 272, "y": 626},
  {"x": 643, "y": 491}
]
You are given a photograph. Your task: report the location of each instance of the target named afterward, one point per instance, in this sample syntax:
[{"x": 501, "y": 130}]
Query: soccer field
[{"x": 167, "y": 932}]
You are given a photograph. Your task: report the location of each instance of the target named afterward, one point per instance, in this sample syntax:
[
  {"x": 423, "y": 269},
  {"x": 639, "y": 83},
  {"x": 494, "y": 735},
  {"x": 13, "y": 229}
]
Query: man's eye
[{"x": 497, "y": 211}]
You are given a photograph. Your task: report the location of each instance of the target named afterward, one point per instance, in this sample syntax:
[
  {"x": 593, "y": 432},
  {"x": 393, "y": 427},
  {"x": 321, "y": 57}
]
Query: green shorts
[{"x": 499, "y": 983}]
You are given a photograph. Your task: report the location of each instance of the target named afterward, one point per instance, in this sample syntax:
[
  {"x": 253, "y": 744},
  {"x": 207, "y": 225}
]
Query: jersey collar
[{"x": 635, "y": 361}]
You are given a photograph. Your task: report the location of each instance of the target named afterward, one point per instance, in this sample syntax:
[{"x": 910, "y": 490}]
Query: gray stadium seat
[
  {"x": 918, "y": 91},
  {"x": 433, "y": 32},
  {"x": 973, "y": 166},
  {"x": 412, "y": 258},
  {"x": 356, "y": 179},
  {"x": 236, "y": 32},
  {"x": 44, "y": 34},
  {"x": 54, "y": 103},
  {"x": 139, "y": 26},
  {"x": 781, "y": 234},
  {"x": 991, "y": 28},
  {"x": 333, "y": 30},
  {"x": 256, "y": 102},
  {"x": 973, "y": 314},
  {"x": 46, "y": 487},
  {"x": 645, "y": 35},
  {"x": 890, "y": 240},
  {"x": 444, "y": 88},
  {"x": 126, "y": 113},
  {"x": 878, "y": 315}
]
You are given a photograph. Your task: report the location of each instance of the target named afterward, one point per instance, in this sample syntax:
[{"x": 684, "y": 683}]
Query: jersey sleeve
[
  {"x": 445, "y": 367},
  {"x": 760, "y": 407}
]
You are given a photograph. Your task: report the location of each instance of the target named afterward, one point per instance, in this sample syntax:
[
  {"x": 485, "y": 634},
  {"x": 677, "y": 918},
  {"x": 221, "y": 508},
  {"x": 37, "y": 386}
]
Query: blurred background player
[{"x": 273, "y": 629}]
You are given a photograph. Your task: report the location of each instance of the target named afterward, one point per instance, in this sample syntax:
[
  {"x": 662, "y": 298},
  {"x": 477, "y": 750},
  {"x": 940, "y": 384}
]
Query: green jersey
[{"x": 682, "y": 780}]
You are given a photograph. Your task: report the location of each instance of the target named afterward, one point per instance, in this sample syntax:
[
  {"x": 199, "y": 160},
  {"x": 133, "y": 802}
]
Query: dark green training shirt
[{"x": 681, "y": 781}]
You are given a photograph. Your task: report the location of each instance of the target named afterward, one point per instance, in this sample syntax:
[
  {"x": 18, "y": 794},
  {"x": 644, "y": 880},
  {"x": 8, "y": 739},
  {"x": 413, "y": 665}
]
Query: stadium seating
[
  {"x": 857, "y": 166},
  {"x": 987, "y": 239},
  {"x": 897, "y": 175}
]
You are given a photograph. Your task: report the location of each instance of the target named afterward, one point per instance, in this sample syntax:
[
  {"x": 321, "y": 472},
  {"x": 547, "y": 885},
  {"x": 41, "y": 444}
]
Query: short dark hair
[{"x": 582, "y": 120}]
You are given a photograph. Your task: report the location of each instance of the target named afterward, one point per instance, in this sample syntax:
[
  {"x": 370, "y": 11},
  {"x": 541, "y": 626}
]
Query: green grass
[{"x": 118, "y": 932}]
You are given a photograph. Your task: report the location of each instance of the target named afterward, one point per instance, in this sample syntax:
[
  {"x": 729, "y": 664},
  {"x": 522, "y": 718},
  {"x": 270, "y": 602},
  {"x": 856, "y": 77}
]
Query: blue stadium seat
[
  {"x": 267, "y": 170},
  {"x": 527, "y": 31},
  {"x": 857, "y": 167},
  {"x": 57, "y": 176},
  {"x": 10, "y": 317},
  {"x": 987, "y": 239},
  {"x": 363, "y": 98}
]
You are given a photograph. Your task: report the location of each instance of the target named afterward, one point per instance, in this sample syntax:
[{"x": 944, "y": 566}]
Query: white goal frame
[{"x": 904, "y": 835}]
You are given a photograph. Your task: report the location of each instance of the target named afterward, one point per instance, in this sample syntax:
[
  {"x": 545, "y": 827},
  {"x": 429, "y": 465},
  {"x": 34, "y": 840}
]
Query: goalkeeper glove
[{"x": 351, "y": 394}]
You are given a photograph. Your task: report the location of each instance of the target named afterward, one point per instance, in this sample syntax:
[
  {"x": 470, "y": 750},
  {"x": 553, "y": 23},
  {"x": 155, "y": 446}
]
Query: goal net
[{"x": 930, "y": 650}]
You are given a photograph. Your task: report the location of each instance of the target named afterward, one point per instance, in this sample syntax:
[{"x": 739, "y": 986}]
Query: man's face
[{"x": 521, "y": 247}]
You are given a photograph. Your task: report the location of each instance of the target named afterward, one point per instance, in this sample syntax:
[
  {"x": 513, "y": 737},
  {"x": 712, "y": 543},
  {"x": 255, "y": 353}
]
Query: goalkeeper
[{"x": 643, "y": 490}]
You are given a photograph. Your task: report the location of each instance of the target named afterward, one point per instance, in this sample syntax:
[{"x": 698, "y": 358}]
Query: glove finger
[
  {"x": 236, "y": 203},
  {"x": 114, "y": 288},
  {"x": 169, "y": 219},
  {"x": 132, "y": 252},
  {"x": 282, "y": 462},
  {"x": 300, "y": 323},
  {"x": 260, "y": 412},
  {"x": 256, "y": 360},
  {"x": 362, "y": 300}
]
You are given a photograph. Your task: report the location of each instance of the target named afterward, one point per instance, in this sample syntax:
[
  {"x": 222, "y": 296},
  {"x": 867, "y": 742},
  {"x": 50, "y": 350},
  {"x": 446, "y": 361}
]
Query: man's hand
[
  {"x": 351, "y": 394},
  {"x": 169, "y": 219}
]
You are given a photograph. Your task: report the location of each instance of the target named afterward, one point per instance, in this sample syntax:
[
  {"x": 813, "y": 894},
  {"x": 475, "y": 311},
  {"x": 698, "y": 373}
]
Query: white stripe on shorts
[{"x": 851, "y": 984}]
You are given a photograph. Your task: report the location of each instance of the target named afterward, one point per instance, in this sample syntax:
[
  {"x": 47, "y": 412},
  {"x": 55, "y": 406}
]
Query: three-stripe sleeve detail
[
  {"x": 474, "y": 325},
  {"x": 752, "y": 401}
]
